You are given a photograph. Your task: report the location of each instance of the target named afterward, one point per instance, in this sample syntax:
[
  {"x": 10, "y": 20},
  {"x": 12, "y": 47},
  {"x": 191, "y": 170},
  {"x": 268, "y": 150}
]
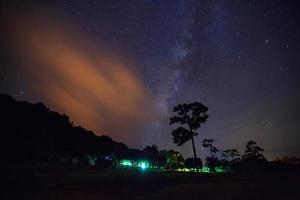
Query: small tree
[
  {"x": 151, "y": 154},
  {"x": 190, "y": 117},
  {"x": 174, "y": 159},
  {"x": 253, "y": 152},
  {"x": 231, "y": 155},
  {"x": 171, "y": 159},
  {"x": 211, "y": 161},
  {"x": 208, "y": 143},
  {"x": 253, "y": 159}
]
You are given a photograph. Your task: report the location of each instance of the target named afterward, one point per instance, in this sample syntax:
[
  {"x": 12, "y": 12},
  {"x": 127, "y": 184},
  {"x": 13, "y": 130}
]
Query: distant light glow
[
  {"x": 185, "y": 170},
  {"x": 220, "y": 169},
  {"x": 127, "y": 163},
  {"x": 205, "y": 169},
  {"x": 143, "y": 164}
]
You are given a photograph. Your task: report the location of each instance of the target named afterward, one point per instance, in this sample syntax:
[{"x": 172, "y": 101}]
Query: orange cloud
[{"x": 94, "y": 88}]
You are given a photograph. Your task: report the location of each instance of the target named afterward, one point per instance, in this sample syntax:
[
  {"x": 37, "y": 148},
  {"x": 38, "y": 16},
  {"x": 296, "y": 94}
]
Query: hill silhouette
[{"x": 32, "y": 132}]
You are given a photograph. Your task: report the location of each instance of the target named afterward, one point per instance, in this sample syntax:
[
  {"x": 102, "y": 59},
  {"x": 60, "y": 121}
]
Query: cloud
[{"x": 91, "y": 84}]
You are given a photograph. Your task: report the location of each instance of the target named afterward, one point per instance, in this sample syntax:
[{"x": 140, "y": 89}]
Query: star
[{"x": 284, "y": 69}]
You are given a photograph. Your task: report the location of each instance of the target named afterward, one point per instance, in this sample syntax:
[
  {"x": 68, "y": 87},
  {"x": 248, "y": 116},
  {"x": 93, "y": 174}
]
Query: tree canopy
[
  {"x": 189, "y": 117},
  {"x": 253, "y": 152}
]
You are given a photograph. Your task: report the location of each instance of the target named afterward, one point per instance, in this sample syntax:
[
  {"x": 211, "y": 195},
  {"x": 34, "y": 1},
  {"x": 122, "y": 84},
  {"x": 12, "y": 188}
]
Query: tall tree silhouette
[{"x": 189, "y": 117}]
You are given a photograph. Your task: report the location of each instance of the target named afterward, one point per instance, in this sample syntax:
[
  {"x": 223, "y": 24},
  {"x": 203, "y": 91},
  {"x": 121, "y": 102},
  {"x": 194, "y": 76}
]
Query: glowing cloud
[{"x": 94, "y": 88}]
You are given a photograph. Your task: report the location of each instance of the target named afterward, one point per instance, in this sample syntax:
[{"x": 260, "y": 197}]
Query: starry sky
[{"x": 118, "y": 67}]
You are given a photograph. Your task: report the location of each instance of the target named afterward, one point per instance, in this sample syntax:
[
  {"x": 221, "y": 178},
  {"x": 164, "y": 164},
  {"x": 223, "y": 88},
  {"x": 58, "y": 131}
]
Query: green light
[
  {"x": 143, "y": 164},
  {"x": 126, "y": 163},
  {"x": 205, "y": 169},
  {"x": 220, "y": 169}
]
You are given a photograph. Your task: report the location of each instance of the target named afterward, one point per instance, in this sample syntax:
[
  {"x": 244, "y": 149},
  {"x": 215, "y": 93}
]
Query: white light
[{"x": 143, "y": 165}]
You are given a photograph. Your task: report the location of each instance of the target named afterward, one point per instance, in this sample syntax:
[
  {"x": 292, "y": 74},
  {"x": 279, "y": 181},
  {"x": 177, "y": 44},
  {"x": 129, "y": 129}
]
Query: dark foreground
[{"x": 84, "y": 183}]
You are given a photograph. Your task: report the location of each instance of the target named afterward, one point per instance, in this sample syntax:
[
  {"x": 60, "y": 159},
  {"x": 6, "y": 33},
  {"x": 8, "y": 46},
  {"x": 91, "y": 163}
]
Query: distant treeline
[{"x": 32, "y": 133}]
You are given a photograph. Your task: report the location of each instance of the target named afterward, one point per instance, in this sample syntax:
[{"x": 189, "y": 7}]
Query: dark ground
[{"x": 46, "y": 182}]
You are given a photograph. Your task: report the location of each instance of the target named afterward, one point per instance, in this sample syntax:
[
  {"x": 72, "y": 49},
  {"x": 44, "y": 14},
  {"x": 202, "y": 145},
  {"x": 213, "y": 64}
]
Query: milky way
[{"x": 240, "y": 58}]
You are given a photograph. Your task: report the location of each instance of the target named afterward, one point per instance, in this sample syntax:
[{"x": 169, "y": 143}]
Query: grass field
[{"x": 86, "y": 183}]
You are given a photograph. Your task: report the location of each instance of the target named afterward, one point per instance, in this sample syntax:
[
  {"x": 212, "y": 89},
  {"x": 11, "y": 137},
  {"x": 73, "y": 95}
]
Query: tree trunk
[{"x": 195, "y": 155}]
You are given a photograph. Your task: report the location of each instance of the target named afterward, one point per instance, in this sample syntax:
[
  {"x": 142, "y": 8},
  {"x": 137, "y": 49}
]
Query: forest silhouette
[
  {"x": 42, "y": 152},
  {"x": 31, "y": 133}
]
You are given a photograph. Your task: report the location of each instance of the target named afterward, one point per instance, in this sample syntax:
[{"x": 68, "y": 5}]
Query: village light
[
  {"x": 126, "y": 163},
  {"x": 205, "y": 169},
  {"x": 220, "y": 169},
  {"x": 143, "y": 165}
]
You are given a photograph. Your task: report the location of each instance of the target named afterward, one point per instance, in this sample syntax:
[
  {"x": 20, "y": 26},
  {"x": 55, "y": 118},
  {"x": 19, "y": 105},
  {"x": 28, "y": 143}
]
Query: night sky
[{"x": 118, "y": 67}]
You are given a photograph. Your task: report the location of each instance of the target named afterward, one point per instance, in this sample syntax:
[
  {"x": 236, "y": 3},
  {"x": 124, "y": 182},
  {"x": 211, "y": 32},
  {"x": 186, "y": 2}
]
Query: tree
[
  {"x": 174, "y": 160},
  {"x": 208, "y": 143},
  {"x": 151, "y": 154},
  {"x": 211, "y": 161},
  {"x": 230, "y": 158},
  {"x": 189, "y": 117},
  {"x": 253, "y": 159},
  {"x": 253, "y": 152},
  {"x": 232, "y": 154}
]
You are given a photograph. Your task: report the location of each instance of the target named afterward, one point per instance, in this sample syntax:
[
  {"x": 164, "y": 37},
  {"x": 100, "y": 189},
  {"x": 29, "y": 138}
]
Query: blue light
[{"x": 143, "y": 165}]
